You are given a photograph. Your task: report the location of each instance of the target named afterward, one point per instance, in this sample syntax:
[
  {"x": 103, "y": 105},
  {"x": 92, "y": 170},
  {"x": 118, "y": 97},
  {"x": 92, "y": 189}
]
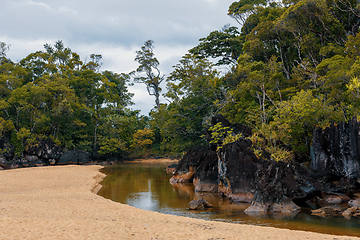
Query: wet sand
[{"x": 60, "y": 203}]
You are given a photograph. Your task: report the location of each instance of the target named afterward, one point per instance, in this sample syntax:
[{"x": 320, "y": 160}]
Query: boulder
[
  {"x": 33, "y": 160},
  {"x": 205, "y": 186},
  {"x": 284, "y": 206},
  {"x": 354, "y": 203},
  {"x": 199, "y": 162},
  {"x": 74, "y": 157},
  {"x": 238, "y": 165},
  {"x": 186, "y": 177},
  {"x": 329, "y": 211},
  {"x": 4, "y": 163},
  {"x": 236, "y": 172},
  {"x": 46, "y": 150},
  {"x": 199, "y": 204},
  {"x": 278, "y": 184},
  {"x": 333, "y": 199},
  {"x": 351, "y": 212}
]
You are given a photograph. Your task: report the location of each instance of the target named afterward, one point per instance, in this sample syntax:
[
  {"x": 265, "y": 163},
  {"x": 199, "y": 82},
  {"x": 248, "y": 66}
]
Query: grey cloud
[
  {"x": 122, "y": 22},
  {"x": 113, "y": 28}
]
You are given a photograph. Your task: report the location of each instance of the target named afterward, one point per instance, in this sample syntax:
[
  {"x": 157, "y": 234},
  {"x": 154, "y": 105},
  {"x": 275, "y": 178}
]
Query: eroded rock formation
[
  {"x": 278, "y": 184},
  {"x": 44, "y": 150},
  {"x": 237, "y": 170},
  {"x": 237, "y": 173},
  {"x": 335, "y": 150}
]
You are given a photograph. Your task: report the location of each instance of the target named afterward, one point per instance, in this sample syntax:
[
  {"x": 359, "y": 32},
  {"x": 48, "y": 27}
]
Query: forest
[{"x": 290, "y": 65}]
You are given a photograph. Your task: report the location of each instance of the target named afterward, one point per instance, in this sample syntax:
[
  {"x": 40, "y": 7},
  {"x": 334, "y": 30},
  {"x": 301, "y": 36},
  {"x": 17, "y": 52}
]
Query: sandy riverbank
[{"x": 60, "y": 203}]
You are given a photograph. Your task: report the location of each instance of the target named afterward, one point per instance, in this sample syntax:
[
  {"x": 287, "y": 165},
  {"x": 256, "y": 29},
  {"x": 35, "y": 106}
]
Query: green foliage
[
  {"x": 221, "y": 135},
  {"x": 53, "y": 94},
  {"x": 299, "y": 115},
  {"x": 293, "y": 65},
  {"x": 193, "y": 87},
  {"x": 142, "y": 139},
  {"x": 280, "y": 154},
  {"x": 225, "y": 44},
  {"x": 148, "y": 71}
]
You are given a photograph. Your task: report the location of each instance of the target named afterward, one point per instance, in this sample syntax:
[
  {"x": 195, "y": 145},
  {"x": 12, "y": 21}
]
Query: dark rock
[
  {"x": 199, "y": 204},
  {"x": 185, "y": 177},
  {"x": 7, "y": 149},
  {"x": 74, "y": 157},
  {"x": 206, "y": 174},
  {"x": 278, "y": 183},
  {"x": 237, "y": 170},
  {"x": 33, "y": 160},
  {"x": 335, "y": 150},
  {"x": 192, "y": 158},
  {"x": 191, "y": 162},
  {"x": 46, "y": 150},
  {"x": 171, "y": 169},
  {"x": 205, "y": 186},
  {"x": 4, "y": 163}
]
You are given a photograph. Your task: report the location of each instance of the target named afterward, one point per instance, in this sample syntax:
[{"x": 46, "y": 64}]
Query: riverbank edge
[{"x": 61, "y": 203}]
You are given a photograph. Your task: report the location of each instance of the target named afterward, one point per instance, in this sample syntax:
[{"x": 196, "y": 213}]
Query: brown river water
[{"x": 146, "y": 186}]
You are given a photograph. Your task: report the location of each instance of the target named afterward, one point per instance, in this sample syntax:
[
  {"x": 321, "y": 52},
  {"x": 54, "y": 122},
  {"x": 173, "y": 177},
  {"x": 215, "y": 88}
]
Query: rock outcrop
[
  {"x": 185, "y": 170},
  {"x": 45, "y": 150},
  {"x": 74, "y": 157},
  {"x": 238, "y": 165},
  {"x": 236, "y": 172},
  {"x": 335, "y": 150},
  {"x": 198, "y": 166},
  {"x": 278, "y": 184}
]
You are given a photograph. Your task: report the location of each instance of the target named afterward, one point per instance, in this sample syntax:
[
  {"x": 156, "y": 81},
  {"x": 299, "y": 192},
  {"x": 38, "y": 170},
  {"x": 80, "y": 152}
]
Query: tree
[
  {"x": 4, "y": 48},
  {"x": 52, "y": 94},
  {"x": 225, "y": 44},
  {"x": 242, "y": 9},
  {"x": 193, "y": 88},
  {"x": 142, "y": 138},
  {"x": 298, "y": 117},
  {"x": 148, "y": 71}
]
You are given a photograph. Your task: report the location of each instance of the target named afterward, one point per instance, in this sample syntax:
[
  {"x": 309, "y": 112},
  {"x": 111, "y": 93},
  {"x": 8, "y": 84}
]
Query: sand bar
[{"x": 60, "y": 203}]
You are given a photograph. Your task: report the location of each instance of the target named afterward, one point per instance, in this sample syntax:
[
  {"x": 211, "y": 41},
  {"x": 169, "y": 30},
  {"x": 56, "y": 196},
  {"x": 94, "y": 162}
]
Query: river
[{"x": 146, "y": 186}]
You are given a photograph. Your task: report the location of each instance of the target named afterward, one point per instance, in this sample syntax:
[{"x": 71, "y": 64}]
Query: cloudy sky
[{"x": 113, "y": 28}]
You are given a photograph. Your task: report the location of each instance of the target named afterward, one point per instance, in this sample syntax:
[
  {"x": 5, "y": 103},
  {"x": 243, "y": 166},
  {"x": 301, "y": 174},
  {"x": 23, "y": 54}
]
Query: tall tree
[
  {"x": 193, "y": 87},
  {"x": 148, "y": 71},
  {"x": 3, "y": 49},
  {"x": 225, "y": 44}
]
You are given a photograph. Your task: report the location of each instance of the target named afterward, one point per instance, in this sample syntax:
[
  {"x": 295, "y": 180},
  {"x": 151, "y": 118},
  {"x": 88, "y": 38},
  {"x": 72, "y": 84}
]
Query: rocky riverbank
[
  {"x": 243, "y": 173},
  {"x": 59, "y": 203}
]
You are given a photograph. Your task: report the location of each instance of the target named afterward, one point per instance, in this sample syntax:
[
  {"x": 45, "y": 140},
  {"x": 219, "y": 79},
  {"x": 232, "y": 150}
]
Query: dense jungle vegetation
[{"x": 290, "y": 65}]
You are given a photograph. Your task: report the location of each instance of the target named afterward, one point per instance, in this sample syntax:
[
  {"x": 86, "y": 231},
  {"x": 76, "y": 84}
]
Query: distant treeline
[{"x": 290, "y": 66}]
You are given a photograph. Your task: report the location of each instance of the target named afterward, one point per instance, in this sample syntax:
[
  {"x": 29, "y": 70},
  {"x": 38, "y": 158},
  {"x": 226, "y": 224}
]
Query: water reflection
[{"x": 147, "y": 186}]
